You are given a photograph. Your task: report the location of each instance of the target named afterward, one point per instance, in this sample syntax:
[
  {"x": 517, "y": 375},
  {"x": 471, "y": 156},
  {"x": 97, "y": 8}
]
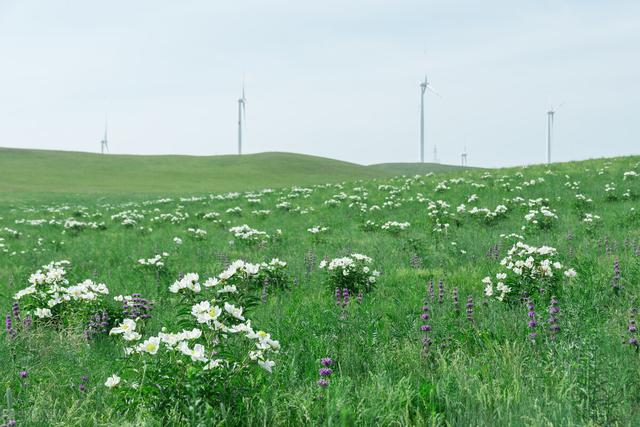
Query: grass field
[{"x": 477, "y": 359}]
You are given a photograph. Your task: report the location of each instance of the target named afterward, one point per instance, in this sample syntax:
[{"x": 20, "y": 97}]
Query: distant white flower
[
  {"x": 267, "y": 365},
  {"x": 233, "y": 310},
  {"x": 42, "y": 313},
  {"x": 112, "y": 381}
]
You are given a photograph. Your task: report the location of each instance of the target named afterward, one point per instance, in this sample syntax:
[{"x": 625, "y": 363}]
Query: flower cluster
[
  {"x": 394, "y": 227},
  {"x": 542, "y": 218},
  {"x": 237, "y": 277},
  {"x": 526, "y": 270},
  {"x": 48, "y": 294},
  {"x": 248, "y": 234},
  {"x": 157, "y": 262},
  {"x": 351, "y": 272},
  {"x": 217, "y": 333}
]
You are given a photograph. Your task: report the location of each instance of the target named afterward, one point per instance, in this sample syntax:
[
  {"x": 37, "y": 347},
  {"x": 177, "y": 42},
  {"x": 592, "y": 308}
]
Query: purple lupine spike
[
  {"x": 27, "y": 322},
  {"x": 338, "y": 296},
  {"x": 8, "y": 326},
  {"x": 425, "y": 328},
  {"x": 325, "y": 372},
  {"x": 553, "y": 320},
  {"x": 532, "y": 323},
  {"x": 431, "y": 293},
  {"x": 456, "y": 303},
  {"x": 633, "y": 329},
  {"x": 469, "y": 307},
  {"x": 16, "y": 311},
  {"x": 615, "y": 282},
  {"x": 345, "y": 297},
  {"x": 440, "y": 291}
]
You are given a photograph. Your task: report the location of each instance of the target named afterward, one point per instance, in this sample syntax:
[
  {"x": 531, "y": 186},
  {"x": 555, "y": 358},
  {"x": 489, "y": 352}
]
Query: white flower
[
  {"x": 228, "y": 289},
  {"x": 112, "y": 381},
  {"x": 150, "y": 346},
  {"x": 131, "y": 336},
  {"x": 213, "y": 364},
  {"x": 204, "y": 312},
  {"x": 570, "y": 273},
  {"x": 233, "y": 310},
  {"x": 488, "y": 290},
  {"x": 127, "y": 325},
  {"x": 177, "y": 240},
  {"x": 196, "y": 354},
  {"x": 266, "y": 365},
  {"x": 42, "y": 313}
]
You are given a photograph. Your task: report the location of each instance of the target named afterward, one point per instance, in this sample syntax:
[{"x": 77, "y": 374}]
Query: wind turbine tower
[
  {"x": 423, "y": 88},
  {"x": 463, "y": 157},
  {"x": 241, "y": 113},
  {"x": 550, "y": 115},
  {"x": 435, "y": 154},
  {"x": 104, "y": 144}
]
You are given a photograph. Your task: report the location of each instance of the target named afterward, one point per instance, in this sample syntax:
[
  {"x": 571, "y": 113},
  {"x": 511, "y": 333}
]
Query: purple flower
[
  {"x": 426, "y": 328},
  {"x": 632, "y": 328},
  {"x": 82, "y": 387},
  {"x": 469, "y": 306},
  {"x": 16, "y": 311},
  {"x": 431, "y": 293},
  {"x": 325, "y": 372},
  {"x": 615, "y": 282},
  {"x": 456, "y": 304},
  {"x": 440, "y": 291},
  {"x": 24, "y": 374},
  {"x": 338, "y": 296},
  {"x": 345, "y": 297},
  {"x": 532, "y": 321},
  {"x": 8, "y": 325},
  {"x": 553, "y": 320}
]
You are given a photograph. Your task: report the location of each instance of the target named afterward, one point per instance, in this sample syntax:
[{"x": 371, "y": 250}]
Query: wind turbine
[
  {"x": 104, "y": 144},
  {"x": 423, "y": 88},
  {"x": 463, "y": 157},
  {"x": 550, "y": 116},
  {"x": 241, "y": 113}
]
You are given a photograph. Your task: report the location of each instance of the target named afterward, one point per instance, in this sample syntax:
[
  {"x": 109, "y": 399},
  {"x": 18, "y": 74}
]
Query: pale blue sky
[{"x": 332, "y": 78}]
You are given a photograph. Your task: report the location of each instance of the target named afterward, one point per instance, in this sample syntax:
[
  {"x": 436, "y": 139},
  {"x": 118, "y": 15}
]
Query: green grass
[
  {"x": 44, "y": 171},
  {"x": 484, "y": 373}
]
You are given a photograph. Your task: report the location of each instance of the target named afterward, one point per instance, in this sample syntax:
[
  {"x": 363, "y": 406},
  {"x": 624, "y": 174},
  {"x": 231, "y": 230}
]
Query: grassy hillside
[
  {"x": 75, "y": 172},
  {"x": 392, "y": 169},
  {"x": 430, "y": 343}
]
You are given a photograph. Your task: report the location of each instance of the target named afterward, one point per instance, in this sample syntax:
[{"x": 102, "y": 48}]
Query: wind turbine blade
[{"x": 433, "y": 90}]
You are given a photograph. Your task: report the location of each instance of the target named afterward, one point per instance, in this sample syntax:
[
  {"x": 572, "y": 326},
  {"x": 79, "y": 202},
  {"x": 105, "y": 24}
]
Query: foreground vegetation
[{"x": 393, "y": 308}]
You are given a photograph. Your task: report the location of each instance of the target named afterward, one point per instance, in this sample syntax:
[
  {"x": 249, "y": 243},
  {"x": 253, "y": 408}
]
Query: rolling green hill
[{"x": 75, "y": 172}]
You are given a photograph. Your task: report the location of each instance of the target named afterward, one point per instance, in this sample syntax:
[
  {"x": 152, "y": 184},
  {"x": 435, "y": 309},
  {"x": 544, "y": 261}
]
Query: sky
[{"x": 331, "y": 78}]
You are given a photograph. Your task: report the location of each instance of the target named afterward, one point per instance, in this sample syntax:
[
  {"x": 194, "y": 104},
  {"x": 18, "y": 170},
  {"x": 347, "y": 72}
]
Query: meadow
[{"x": 499, "y": 297}]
